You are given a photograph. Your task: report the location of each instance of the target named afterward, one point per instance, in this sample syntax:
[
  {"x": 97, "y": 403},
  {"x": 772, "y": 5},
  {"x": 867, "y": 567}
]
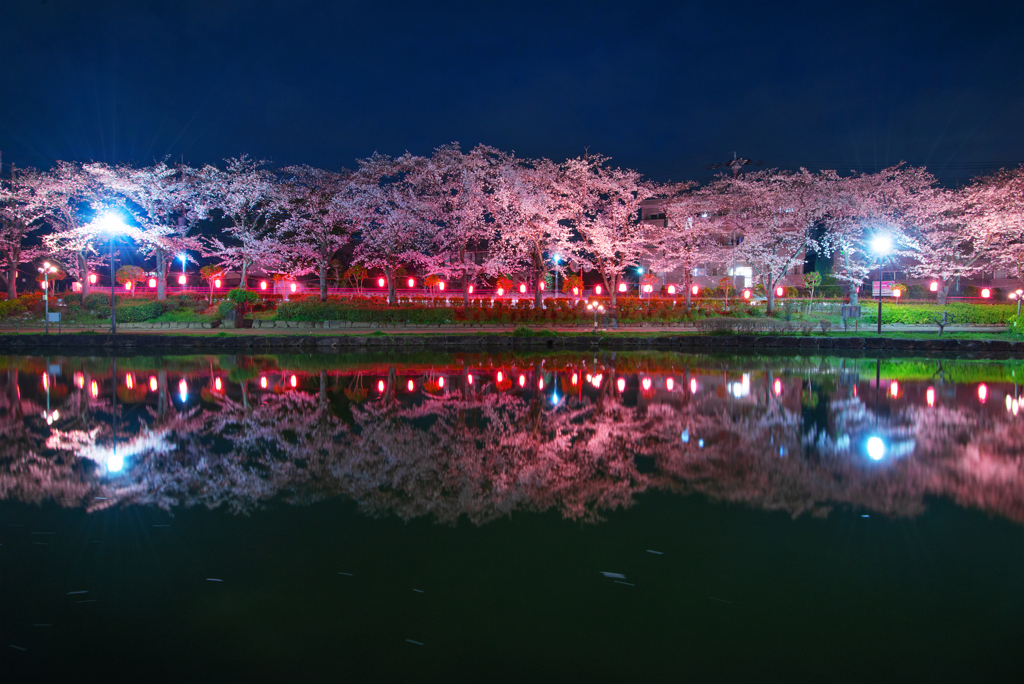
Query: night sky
[{"x": 666, "y": 88}]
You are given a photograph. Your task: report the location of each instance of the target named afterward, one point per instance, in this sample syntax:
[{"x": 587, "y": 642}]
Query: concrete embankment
[{"x": 128, "y": 343}]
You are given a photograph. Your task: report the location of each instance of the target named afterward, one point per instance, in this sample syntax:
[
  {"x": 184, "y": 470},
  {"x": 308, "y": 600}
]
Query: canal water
[{"x": 475, "y": 517}]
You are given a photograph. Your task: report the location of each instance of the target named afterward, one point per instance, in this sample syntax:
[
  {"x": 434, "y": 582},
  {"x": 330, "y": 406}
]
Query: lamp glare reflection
[
  {"x": 876, "y": 448},
  {"x": 115, "y": 464}
]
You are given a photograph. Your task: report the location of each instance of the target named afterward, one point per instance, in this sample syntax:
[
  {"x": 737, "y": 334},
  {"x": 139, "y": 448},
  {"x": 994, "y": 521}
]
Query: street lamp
[
  {"x": 557, "y": 259},
  {"x": 111, "y": 224},
  {"x": 1017, "y": 295},
  {"x": 881, "y": 245},
  {"x": 46, "y": 270},
  {"x": 596, "y": 308}
]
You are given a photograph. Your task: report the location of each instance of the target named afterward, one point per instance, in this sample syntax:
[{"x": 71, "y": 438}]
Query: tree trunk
[
  {"x": 323, "y": 280},
  {"x": 83, "y": 273},
  {"x": 161, "y": 275},
  {"x": 854, "y": 294},
  {"x": 465, "y": 287},
  {"x": 389, "y": 273},
  {"x": 769, "y": 290},
  {"x": 614, "y": 300},
  {"x": 943, "y": 291},
  {"x": 12, "y": 279},
  {"x": 688, "y": 284},
  {"x": 245, "y": 271}
]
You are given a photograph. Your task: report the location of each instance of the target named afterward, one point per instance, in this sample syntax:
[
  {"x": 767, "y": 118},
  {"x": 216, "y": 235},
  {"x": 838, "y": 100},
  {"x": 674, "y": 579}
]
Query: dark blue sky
[{"x": 666, "y": 88}]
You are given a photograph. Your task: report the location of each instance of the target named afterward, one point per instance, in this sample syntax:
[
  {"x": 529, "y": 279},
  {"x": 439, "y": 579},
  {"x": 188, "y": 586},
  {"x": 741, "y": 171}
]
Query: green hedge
[
  {"x": 12, "y": 307},
  {"x": 137, "y": 313},
  {"x": 332, "y": 310},
  {"x": 925, "y": 314}
]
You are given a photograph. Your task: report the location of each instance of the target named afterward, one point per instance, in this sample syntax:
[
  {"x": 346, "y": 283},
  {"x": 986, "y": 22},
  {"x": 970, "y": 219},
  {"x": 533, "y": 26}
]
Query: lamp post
[
  {"x": 881, "y": 245},
  {"x": 112, "y": 225},
  {"x": 46, "y": 270},
  {"x": 557, "y": 260},
  {"x": 595, "y": 308}
]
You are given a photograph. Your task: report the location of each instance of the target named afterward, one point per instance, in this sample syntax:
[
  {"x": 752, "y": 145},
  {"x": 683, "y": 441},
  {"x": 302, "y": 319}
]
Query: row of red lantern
[{"x": 182, "y": 280}]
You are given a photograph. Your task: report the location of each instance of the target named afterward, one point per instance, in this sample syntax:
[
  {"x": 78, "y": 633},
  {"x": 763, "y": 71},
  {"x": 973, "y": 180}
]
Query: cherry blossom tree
[
  {"x": 390, "y": 231},
  {"x": 524, "y": 207},
  {"x": 454, "y": 189},
  {"x": 321, "y": 214},
  {"x": 977, "y": 228},
  {"x": 73, "y": 198},
  {"x": 602, "y": 205},
  {"x": 22, "y": 206},
  {"x": 163, "y": 201},
  {"x": 250, "y": 197},
  {"x": 898, "y": 202},
  {"x": 774, "y": 213},
  {"x": 688, "y": 240}
]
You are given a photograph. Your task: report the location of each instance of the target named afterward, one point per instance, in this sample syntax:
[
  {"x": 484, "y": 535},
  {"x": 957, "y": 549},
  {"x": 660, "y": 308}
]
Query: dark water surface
[{"x": 474, "y": 517}]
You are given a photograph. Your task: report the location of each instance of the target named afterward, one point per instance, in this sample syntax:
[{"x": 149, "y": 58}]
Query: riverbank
[{"x": 255, "y": 341}]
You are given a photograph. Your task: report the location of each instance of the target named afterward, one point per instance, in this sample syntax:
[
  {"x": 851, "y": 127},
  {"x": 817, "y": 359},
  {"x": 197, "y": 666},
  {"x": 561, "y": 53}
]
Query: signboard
[
  {"x": 886, "y": 288},
  {"x": 53, "y": 317}
]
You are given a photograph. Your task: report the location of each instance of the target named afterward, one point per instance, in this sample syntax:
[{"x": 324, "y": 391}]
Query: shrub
[
  {"x": 12, "y": 307},
  {"x": 72, "y": 299},
  {"x": 239, "y": 296},
  {"x": 925, "y": 314},
  {"x": 225, "y": 309},
  {"x": 95, "y": 300},
  {"x": 137, "y": 313}
]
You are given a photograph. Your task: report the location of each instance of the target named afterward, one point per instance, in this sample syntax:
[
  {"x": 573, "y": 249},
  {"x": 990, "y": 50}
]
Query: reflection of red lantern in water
[
  {"x": 294, "y": 381},
  {"x": 894, "y": 389},
  {"x": 153, "y": 384},
  {"x": 929, "y": 396},
  {"x": 670, "y": 384},
  {"x": 646, "y": 384},
  {"x": 411, "y": 385},
  {"x": 982, "y": 393},
  {"x": 380, "y": 386},
  {"x": 217, "y": 384},
  {"x": 522, "y": 380},
  {"x": 94, "y": 389},
  {"x": 469, "y": 378},
  {"x": 621, "y": 384},
  {"x": 777, "y": 386}
]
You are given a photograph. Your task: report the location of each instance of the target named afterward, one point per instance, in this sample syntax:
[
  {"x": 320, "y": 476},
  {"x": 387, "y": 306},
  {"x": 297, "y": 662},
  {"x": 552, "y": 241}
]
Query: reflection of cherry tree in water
[
  {"x": 486, "y": 453},
  {"x": 487, "y": 448}
]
